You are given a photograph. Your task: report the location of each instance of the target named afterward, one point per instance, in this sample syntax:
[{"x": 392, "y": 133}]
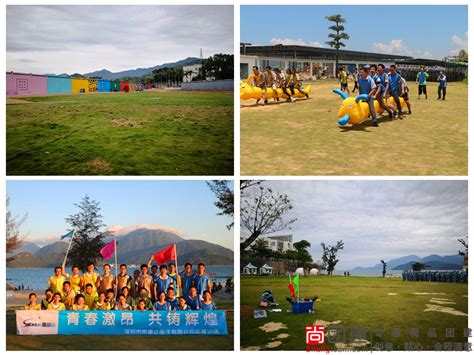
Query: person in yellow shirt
[
  {"x": 49, "y": 298},
  {"x": 90, "y": 296},
  {"x": 56, "y": 305},
  {"x": 69, "y": 295},
  {"x": 80, "y": 304},
  {"x": 101, "y": 304},
  {"x": 32, "y": 305},
  {"x": 56, "y": 281},
  {"x": 90, "y": 277},
  {"x": 74, "y": 278}
]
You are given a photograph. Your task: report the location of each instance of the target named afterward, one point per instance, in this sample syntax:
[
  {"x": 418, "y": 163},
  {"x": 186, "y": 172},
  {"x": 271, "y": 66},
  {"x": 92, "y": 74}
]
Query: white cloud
[
  {"x": 120, "y": 230},
  {"x": 295, "y": 42},
  {"x": 396, "y": 46},
  {"x": 378, "y": 219},
  {"x": 459, "y": 43}
]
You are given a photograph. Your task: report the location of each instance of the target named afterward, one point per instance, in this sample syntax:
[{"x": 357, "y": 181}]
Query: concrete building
[
  {"x": 190, "y": 72},
  {"x": 279, "y": 243},
  {"x": 312, "y": 62},
  {"x": 26, "y": 84}
]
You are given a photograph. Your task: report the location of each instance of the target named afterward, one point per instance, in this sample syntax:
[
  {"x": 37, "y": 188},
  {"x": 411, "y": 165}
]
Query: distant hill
[
  {"x": 447, "y": 262},
  {"x": 139, "y": 72},
  {"x": 135, "y": 247},
  {"x": 26, "y": 247}
]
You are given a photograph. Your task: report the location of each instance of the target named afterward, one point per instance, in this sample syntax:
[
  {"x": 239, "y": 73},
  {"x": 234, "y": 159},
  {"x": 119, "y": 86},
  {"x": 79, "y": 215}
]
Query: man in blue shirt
[
  {"x": 367, "y": 87},
  {"x": 394, "y": 88},
  {"x": 201, "y": 280},
  {"x": 187, "y": 278},
  {"x": 380, "y": 79},
  {"x": 421, "y": 79},
  {"x": 442, "y": 85}
]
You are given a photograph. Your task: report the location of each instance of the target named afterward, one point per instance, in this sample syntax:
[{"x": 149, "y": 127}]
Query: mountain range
[
  {"x": 133, "y": 73},
  {"x": 433, "y": 262},
  {"x": 132, "y": 248}
]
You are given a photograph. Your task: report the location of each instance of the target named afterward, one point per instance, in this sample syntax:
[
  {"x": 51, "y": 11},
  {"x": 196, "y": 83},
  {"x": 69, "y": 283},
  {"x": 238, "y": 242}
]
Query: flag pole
[
  {"x": 68, "y": 247},
  {"x": 116, "y": 273},
  {"x": 177, "y": 273}
]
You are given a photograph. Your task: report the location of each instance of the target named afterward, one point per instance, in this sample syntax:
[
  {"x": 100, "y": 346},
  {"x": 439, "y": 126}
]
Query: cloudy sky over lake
[
  {"x": 378, "y": 219},
  {"x": 70, "y": 39}
]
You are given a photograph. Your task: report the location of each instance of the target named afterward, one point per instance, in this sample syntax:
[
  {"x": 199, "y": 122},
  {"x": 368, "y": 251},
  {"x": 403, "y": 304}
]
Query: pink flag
[{"x": 108, "y": 250}]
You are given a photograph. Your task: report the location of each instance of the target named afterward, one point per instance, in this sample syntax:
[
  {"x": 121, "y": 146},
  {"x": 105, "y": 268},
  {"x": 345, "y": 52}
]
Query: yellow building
[
  {"x": 93, "y": 85},
  {"x": 80, "y": 85}
]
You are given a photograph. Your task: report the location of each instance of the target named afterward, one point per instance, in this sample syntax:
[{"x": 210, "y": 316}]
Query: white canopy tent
[
  {"x": 266, "y": 270},
  {"x": 250, "y": 269}
]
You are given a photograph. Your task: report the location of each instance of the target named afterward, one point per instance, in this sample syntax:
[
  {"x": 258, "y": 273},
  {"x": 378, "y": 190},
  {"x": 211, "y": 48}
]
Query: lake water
[{"x": 37, "y": 279}]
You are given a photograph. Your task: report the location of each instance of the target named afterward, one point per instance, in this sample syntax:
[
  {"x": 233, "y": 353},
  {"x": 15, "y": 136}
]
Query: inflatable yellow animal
[
  {"x": 354, "y": 111},
  {"x": 248, "y": 92}
]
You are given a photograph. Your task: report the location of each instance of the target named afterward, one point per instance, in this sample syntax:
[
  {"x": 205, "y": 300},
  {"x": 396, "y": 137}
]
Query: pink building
[{"x": 26, "y": 84}]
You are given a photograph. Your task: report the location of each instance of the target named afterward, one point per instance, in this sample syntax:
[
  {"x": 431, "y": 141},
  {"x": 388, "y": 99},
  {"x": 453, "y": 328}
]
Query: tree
[
  {"x": 302, "y": 253},
  {"x": 245, "y": 184},
  {"x": 338, "y": 36},
  {"x": 88, "y": 239},
  {"x": 463, "y": 56},
  {"x": 264, "y": 212},
  {"x": 417, "y": 266},
  {"x": 260, "y": 247},
  {"x": 329, "y": 257},
  {"x": 225, "y": 198},
  {"x": 219, "y": 67},
  {"x": 12, "y": 232},
  {"x": 384, "y": 266},
  {"x": 464, "y": 252}
]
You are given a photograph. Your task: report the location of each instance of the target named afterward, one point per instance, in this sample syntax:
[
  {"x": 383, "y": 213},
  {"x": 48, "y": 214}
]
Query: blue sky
[
  {"x": 425, "y": 31},
  {"x": 185, "y": 206},
  {"x": 377, "y": 219}
]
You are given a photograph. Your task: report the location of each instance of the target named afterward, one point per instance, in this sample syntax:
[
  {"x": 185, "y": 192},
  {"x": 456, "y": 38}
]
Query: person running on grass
[
  {"x": 393, "y": 88},
  {"x": 421, "y": 79},
  {"x": 258, "y": 80},
  {"x": 299, "y": 84},
  {"x": 343, "y": 80},
  {"x": 404, "y": 94},
  {"x": 367, "y": 87},
  {"x": 380, "y": 78},
  {"x": 270, "y": 82}
]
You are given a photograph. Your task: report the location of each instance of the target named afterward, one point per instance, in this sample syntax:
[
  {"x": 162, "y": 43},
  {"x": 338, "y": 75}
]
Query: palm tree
[{"x": 260, "y": 247}]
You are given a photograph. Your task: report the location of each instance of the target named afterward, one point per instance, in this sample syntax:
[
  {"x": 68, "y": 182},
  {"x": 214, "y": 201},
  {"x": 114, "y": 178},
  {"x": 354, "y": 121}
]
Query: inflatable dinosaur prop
[
  {"x": 355, "y": 110},
  {"x": 248, "y": 92}
]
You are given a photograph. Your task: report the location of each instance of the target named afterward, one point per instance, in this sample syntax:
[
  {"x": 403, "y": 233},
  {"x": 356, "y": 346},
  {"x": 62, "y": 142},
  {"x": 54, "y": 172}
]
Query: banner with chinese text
[{"x": 133, "y": 323}]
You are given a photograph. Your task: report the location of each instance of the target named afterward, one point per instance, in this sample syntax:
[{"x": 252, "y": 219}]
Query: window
[{"x": 22, "y": 84}]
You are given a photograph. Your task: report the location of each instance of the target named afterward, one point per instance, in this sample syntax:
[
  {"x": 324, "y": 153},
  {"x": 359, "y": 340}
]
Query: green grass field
[
  {"x": 304, "y": 138},
  {"x": 131, "y": 342},
  {"x": 387, "y": 309},
  {"x": 138, "y": 133}
]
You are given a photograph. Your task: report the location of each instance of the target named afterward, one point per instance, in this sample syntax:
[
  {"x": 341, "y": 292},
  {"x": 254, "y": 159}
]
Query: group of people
[
  {"x": 164, "y": 289},
  {"x": 378, "y": 84},
  {"x": 435, "y": 276},
  {"x": 287, "y": 81}
]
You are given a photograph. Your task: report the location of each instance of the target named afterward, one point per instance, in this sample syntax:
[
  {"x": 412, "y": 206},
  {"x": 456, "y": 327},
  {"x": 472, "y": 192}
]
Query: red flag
[
  {"x": 292, "y": 290},
  {"x": 168, "y": 254},
  {"x": 108, "y": 250}
]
